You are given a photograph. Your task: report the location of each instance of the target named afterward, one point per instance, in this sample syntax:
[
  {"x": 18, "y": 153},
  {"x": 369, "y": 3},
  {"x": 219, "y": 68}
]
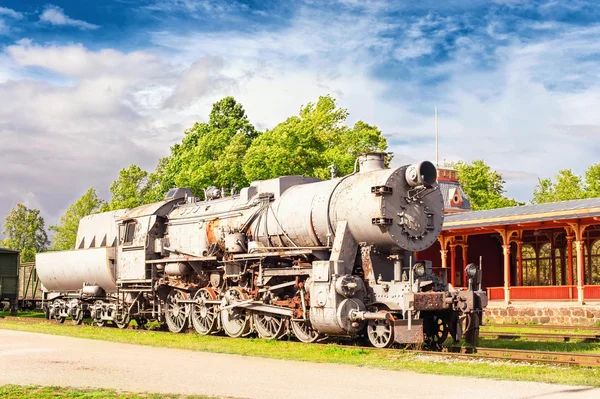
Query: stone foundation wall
[{"x": 567, "y": 315}]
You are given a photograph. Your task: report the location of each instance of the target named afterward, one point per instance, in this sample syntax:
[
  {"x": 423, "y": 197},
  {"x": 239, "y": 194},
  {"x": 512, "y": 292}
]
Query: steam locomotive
[{"x": 291, "y": 255}]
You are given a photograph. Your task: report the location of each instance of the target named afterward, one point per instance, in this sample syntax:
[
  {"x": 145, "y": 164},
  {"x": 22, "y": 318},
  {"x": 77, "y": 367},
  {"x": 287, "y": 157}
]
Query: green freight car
[{"x": 9, "y": 278}]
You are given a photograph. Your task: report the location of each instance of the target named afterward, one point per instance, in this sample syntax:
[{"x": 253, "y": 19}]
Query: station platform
[{"x": 543, "y": 312}]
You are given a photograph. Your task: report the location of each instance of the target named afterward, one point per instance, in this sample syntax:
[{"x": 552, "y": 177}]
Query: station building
[{"x": 540, "y": 263}]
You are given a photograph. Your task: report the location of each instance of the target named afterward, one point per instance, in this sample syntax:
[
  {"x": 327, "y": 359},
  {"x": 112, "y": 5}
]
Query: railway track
[
  {"x": 528, "y": 356},
  {"x": 542, "y": 336},
  {"x": 513, "y": 355},
  {"x": 544, "y": 327}
]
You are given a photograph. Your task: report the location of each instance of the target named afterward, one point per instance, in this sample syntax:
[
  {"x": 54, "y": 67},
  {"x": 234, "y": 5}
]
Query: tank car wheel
[
  {"x": 77, "y": 316},
  {"x": 176, "y": 313},
  {"x": 122, "y": 320},
  {"x": 380, "y": 333},
  {"x": 204, "y": 316},
  {"x": 235, "y": 321},
  {"x": 304, "y": 332},
  {"x": 97, "y": 313},
  {"x": 268, "y": 326}
]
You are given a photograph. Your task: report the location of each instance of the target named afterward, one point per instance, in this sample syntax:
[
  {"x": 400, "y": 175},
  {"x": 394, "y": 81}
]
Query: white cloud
[
  {"x": 76, "y": 61},
  {"x": 198, "y": 80},
  {"x": 60, "y": 139},
  {"x": 55, "y": 15},
  {"x": 7, "y": 12}
]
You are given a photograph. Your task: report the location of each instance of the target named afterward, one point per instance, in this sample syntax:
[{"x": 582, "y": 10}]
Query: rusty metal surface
[
  {"x": 403, "y": 335},
  {"x": 430, "y": 301},
  {"x": 367, "y": 264}
]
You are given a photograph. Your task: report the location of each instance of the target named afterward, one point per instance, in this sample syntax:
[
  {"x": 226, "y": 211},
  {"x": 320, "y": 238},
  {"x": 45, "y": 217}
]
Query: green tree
[
  {"x": 210, "y": 153},
  {"x": 592, "y": 181},
  {"x": 483, "y": 186},
  {"x": 566, "y": 186},
  {"x": 543, "y": 192},
  {"x": 25, "y": 231},
  {"x": 131, "y": 189},
  {"x": 307, "y": 144},
  {"x": 65, "y": 232}
]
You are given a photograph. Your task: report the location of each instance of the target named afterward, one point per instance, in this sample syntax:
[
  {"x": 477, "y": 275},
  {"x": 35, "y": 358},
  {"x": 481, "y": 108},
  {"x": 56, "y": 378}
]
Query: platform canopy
[{"x": 524, "y": 215}]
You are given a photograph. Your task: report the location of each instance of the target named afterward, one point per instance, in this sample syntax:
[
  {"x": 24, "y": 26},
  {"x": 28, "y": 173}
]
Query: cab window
[{"x": 128, "y": 232}]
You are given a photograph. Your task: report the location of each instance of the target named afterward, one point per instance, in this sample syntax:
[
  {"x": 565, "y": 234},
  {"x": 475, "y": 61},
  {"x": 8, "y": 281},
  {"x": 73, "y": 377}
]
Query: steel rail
[
  {"x": 562, "y": 337},
  {"x": 519, "y": 355},
  {"x": 544, "y": 327}
]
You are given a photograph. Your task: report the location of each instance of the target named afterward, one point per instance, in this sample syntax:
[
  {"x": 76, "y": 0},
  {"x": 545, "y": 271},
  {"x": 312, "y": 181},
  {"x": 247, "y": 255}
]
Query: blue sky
[{"x": 86, "y": 88}]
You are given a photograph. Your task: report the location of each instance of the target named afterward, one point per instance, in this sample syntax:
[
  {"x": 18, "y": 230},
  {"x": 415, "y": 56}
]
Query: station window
[
  {"x": 545, "y": 265},
  {"x": 559, "y": 267},
  {"x": 529, "y": 265},
  {"x": 595, "y": 263}
]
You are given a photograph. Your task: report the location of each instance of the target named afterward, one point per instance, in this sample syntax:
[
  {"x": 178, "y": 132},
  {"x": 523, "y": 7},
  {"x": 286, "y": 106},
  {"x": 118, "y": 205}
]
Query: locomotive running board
[{"x": 403, "y": 335}]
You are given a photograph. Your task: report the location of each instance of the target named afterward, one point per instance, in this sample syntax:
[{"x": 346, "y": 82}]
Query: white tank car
[{"x": 288, "y": 255}]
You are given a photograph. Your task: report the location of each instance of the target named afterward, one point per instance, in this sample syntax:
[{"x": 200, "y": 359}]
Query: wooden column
[
  {"x": 563, "y": 267},
  {"x": 552, "y": 262},
  {"x": 465, "y": 251},
  {"x": 579, "y": 245},
  {"x": 570, "y": 260},
  {"x": 506, "y": 252},
  {"x": 453, "y": 265},
  {"x": 520, "y": 263}
]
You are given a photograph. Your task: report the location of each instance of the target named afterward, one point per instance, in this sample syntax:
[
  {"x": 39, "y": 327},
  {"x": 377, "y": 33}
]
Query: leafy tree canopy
[
  {"x": 227, "y": 151},
  {"x": 211, "y": 153},
  {"x": 483, "y": 186},
  {"x": 307, "y": 144},
  {"x": 568, "y": 186},
  {"x": 131, "y": 189},
  {"x": 25, "y": 231},
  {"x": 65, "y": 232},
  {"x": 592, "y": 181}
]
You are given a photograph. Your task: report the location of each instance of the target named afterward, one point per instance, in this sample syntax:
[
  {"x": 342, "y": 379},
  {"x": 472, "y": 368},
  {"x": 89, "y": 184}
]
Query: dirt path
[{"x": 30, "y": 358}]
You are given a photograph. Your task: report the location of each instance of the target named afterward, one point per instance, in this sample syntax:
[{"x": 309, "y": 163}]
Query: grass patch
[
  {"x": 38, "y": 314},
  {"x": 289, "y": 350},
  {"x": 37, "y": 392}
]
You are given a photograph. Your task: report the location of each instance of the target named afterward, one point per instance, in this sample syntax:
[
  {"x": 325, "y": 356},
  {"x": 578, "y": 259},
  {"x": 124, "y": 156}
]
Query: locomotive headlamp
[
  {"x": 419, "y": 269},
  {"x": 471, "y": 270}
]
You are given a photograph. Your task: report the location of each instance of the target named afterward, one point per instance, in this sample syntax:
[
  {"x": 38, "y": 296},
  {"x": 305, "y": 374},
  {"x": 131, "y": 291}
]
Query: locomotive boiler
[{"x": 291, "y": 255}]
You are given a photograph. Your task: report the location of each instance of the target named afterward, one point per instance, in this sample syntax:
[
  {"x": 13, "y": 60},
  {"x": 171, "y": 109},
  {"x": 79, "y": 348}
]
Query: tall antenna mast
[{"x": 437, "y": 163}]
